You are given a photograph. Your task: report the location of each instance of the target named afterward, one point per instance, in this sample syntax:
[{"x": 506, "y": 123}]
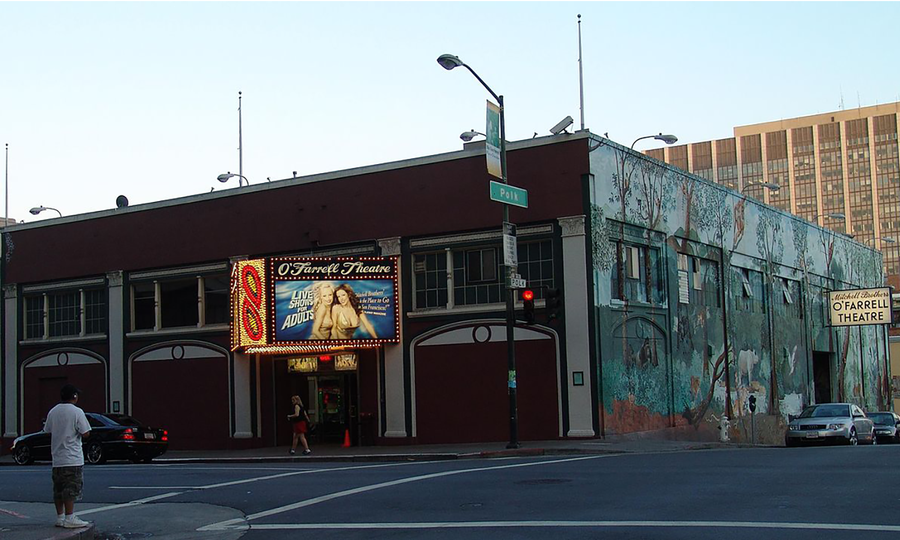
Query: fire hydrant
[{"x": 724, "y": 425}]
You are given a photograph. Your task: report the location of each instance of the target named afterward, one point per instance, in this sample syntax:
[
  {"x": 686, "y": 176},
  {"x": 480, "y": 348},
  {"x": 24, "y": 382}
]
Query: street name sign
[{"x": 507, "y": 194}]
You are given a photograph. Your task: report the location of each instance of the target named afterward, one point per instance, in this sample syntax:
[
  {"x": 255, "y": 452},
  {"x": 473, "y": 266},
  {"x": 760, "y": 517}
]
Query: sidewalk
[{"x": 34, "y": 521}]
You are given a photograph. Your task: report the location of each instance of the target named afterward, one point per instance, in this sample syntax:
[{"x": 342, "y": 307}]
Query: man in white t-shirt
[{"x": 67, "y": 426}]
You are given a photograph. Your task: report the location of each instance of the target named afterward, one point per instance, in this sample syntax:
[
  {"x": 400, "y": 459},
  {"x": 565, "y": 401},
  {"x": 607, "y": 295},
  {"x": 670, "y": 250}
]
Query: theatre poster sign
[
  {"x": 293, "y": 303},
  {"x": 860, "y": 307}
]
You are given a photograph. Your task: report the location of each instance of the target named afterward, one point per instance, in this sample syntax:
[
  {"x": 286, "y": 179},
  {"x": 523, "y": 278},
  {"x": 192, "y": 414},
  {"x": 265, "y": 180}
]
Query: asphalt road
[{"x": 795, "y": 493}]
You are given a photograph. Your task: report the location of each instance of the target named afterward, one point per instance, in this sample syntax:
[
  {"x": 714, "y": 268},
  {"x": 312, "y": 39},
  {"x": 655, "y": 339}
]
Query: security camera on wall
[{"x": 562, "y": 125}]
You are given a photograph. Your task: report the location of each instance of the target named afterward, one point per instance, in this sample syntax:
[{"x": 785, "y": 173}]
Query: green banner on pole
[{"x": 492, "y": 144}]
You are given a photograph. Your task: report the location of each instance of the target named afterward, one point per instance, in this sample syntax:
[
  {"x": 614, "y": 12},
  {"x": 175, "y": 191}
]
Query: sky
[{"x": 140, "y": 99}]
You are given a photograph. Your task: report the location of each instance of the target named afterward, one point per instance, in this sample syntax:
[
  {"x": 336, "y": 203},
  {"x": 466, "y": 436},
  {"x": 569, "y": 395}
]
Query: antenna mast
[
  {"x": 240, "y": 145},
  {"x": 580, "y": 74}
]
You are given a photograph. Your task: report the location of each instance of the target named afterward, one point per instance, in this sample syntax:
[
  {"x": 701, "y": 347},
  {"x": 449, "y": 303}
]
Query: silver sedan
[{"x": 830, "y": 423}]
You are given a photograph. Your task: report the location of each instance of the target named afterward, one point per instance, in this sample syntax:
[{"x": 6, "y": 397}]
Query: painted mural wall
[{"x": 704, "y": 297}]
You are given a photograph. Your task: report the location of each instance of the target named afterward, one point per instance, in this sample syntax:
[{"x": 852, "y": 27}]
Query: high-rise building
[{"x": 839, "y": 169}]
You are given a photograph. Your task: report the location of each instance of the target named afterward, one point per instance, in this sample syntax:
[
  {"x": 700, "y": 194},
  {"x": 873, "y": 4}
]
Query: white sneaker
[
  {"x": 74, "y": 522},
  {"x": 60, "y": 522}
]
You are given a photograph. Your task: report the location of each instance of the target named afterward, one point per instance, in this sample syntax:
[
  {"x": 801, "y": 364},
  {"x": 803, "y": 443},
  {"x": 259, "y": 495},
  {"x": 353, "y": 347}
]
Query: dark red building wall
[{"x": 413, "y": 201}]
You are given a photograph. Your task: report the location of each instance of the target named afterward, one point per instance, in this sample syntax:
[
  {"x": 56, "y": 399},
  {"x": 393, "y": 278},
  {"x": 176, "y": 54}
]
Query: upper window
[
  {"x": 748, "y": 289},
  {"x": 698, "y": 281},
  {"x": 473, "y": 274},
  {"x": 69, "y": 313},
  {"x": 192, "y": 302},
  {"x": 637, "y": 275}
]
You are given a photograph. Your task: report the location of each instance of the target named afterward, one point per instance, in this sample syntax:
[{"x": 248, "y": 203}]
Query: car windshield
[
  {"x": 825, "y": 411},
  {"x": 882, "y": 419},
  {"x": 123, "y": 420}
]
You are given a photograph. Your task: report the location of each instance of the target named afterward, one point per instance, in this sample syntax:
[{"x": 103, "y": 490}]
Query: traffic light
[
  {"x": 528, "y": 303},
  {"x": 553, "y": 302}
]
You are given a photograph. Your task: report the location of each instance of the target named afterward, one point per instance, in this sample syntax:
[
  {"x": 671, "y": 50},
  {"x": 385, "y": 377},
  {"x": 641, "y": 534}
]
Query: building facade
[{"x": 680, "y": 300}]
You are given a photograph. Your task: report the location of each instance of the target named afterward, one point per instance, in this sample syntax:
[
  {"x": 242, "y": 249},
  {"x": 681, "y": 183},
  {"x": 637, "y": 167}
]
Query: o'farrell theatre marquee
[{"x": 283, "y": 305}]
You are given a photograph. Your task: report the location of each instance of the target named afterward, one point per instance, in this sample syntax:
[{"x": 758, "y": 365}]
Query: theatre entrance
[{"x": 330, "y": 395}]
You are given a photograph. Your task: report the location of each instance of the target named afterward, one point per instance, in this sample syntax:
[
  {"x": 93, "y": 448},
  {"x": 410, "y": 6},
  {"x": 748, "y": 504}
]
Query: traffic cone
[{"x": 346, "y": 439}]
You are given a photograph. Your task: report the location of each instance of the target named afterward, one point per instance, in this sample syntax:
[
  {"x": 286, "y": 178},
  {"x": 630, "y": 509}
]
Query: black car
[
  {"x": 113, "y": 436},
  {"x": 887, "y": 425}
]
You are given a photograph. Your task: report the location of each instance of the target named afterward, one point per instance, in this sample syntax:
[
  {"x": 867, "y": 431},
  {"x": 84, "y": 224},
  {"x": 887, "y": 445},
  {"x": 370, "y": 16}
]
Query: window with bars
[
  {"x": 430, "y": 273},
  {"x": 640, "y": 270},
  {"x": 748, "y": 290},
  {"x": 475, "y": 274},
  {"x": 192, "y": 302},
  {"x": 70, "y": 313}
]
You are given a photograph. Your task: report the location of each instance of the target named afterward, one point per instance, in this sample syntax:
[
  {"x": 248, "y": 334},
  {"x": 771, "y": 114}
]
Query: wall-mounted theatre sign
[
  {"x": 283, "y": 304},
  {"x": 860, "y": 306}
]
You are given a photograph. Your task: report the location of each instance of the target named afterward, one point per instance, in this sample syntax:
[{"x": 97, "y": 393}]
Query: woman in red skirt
[{"x": 301, "y": 424}]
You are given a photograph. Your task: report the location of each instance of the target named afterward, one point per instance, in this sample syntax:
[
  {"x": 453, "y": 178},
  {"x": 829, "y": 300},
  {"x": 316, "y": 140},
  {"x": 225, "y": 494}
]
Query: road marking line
[
  {"x": 242, "y": 522},
  {"x": 11, "y": 513},
  {"x": 592, "y": 524},
  {"x": 128, "y": 504},
  {"x": 269, "y": 477}
]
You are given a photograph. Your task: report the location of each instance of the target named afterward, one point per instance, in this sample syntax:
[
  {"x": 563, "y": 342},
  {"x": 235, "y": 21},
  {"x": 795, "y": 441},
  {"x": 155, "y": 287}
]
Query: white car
[{"x": 830, "y": 423}]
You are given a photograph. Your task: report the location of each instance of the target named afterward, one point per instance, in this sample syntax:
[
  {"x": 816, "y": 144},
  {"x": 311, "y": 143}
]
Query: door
[{"x": 822, "y": 376}]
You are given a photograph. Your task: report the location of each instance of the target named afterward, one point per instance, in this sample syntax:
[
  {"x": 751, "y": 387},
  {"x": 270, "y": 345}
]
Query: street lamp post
[
  {"x": 227, "y": 176},
  {"x": 668, "y": 139},
  {"x": 38, "y": 209},
  {"x": 448, "y": 62}
]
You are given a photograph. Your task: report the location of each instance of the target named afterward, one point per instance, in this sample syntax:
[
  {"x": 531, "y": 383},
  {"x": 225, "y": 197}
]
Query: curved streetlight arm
[
  {"x": 641, "y": 139},
  {"x": 38, "y": 209},
  {"x": 668, "y": 139},
  {"x": 768, "y": 185},
  {"x": 484, "y": 84},
  {"x": 227, "y": 176},
  {"x": 469, "y": 135}
]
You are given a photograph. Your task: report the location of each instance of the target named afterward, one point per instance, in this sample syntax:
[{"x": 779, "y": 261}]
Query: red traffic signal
[{"x": 528, "y": 304}]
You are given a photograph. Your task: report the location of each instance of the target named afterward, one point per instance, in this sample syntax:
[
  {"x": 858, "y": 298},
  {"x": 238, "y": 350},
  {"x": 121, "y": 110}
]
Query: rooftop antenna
[
  {"x": 240, "y": 141},
  {"x": 842, "y": 98},
  {"x": 580, "y": 74},
  {"x": 6, "y": 190}
]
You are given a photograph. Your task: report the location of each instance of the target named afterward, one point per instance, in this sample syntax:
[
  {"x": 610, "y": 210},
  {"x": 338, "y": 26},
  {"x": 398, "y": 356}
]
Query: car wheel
[
  {"x": 94, "y": 454},
  {"x": 853, "y": 440},
  {"x": 874, "y": 439},
  {"x": 23, "y": 455}
]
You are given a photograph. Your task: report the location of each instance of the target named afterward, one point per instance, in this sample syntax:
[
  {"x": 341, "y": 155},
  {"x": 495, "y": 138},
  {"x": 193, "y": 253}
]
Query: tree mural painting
[
  {"x": 770, "y": 243},
  {"x": 642, "y": 195},
  {"x": 706, "y": 213},
  {"x": 712, "y": 213}
]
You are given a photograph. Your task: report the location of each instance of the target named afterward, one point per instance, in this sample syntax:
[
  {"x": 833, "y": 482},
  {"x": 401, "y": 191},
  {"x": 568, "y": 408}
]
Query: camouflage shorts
[{"x": 67, "y": 483}]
